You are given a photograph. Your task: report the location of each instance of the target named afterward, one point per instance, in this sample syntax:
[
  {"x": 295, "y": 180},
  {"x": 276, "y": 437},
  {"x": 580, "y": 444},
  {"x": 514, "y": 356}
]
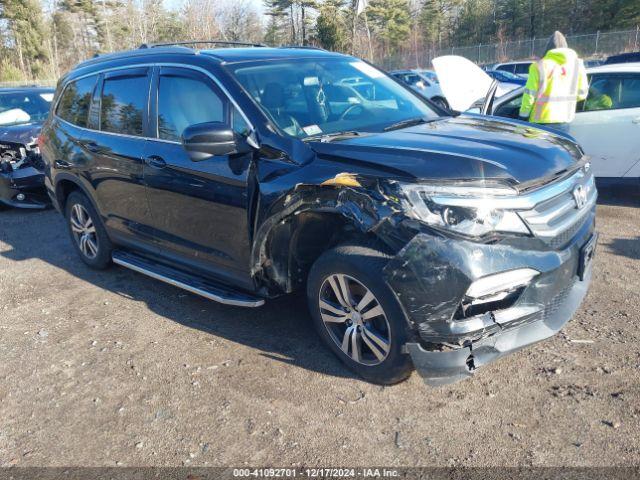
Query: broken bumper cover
[
  {"x": 432, "y": 275},
  {"x": 441, "y": 368},
  {"x": 23, "y": 188}
]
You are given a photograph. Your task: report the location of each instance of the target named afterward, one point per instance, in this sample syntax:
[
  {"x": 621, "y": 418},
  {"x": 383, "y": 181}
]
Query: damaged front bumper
[
  {"x": 23, "y": 188},
  {"x": 433, "y": 275},
  {"x": 441, "y": 368}
]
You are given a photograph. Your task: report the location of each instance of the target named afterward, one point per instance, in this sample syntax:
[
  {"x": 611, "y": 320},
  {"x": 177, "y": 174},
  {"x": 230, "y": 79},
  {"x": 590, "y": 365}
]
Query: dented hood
[
  {"x": 459, "y": 148},
  {"x": 24, "y": 134}
]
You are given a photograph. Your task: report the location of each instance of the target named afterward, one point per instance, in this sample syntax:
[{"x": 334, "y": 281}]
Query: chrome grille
[{"x": 557, "y": 218}]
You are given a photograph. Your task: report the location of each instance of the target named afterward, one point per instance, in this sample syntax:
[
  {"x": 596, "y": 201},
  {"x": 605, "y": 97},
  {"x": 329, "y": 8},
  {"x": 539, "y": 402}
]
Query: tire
[
  {"x": 360, "y": 268},
  {"x": 97, "y": 255}
]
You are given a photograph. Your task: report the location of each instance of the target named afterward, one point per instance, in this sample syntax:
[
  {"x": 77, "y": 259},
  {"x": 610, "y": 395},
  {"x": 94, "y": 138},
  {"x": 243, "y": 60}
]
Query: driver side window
[{"x": 184, "y": 101}]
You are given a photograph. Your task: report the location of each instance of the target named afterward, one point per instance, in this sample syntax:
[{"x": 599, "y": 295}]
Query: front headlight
[{"x": 472, "y": 211}]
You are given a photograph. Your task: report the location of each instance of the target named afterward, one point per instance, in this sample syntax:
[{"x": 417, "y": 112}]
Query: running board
[{"x": 191, "y": 283}]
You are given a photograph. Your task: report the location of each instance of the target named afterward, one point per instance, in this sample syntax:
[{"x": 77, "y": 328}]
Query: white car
[
  {"x": 518, "y": 68},
  {"x": 422, "y": 84},
  {"x": 607, "y": 124}
]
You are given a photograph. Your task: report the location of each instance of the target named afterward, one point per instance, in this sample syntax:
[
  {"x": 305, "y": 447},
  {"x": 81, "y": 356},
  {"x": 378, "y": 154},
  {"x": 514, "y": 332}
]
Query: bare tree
[
  {"x": 200, "y": 18},
  {"x": 240, "y": 21}
]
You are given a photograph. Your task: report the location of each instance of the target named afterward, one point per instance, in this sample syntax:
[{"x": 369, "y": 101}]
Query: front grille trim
[{"x": 553, "y": 217}]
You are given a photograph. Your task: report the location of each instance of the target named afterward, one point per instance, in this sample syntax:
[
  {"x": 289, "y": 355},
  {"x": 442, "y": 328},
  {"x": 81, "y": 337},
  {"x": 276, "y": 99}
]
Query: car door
[
  {"x": 199, "y": 208},
  {"x": 117, "y": 148},
  {"x": 607, "y": 124}
]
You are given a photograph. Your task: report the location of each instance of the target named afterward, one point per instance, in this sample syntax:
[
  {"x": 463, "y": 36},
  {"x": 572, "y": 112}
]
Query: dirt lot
[{"x": 113, "y": 368}]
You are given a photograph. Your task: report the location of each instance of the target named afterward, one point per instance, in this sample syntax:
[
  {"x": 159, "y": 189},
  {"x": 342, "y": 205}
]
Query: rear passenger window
[
  {"x": 186, "y": 101},
  {"x": 76, "y": 100},
  {"x": 122, "y": 104}
]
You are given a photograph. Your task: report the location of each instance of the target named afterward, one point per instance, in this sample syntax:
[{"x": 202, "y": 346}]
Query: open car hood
[{"x": 463, "y": 83}]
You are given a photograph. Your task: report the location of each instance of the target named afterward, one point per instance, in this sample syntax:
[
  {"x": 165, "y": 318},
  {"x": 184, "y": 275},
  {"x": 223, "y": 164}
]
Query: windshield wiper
[
  {"x": 409, "y": 122},
  {"x": 327, "y": 137}
]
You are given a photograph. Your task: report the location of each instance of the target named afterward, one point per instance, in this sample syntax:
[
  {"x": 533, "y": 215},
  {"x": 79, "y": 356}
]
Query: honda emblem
[{"x": 580, "y": 196}]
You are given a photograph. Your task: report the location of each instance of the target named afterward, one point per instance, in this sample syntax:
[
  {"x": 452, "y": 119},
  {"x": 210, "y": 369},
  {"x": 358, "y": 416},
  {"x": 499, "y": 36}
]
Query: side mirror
[{"x": 205, "y": 140}]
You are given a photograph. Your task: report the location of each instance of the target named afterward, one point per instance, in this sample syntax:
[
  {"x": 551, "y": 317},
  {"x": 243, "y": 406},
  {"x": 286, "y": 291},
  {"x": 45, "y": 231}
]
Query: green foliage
[
  {"x": 28, "y": 32},
  {"x": 331, "y": 31},
  {"x": 391, "y": 32},
  {"x": 390, "y": 19},
  {"x": 9, "y": 72}
]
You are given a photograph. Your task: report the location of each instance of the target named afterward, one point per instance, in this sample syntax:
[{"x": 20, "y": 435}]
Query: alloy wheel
[
  {"x": 354, "y": 319},
  {"x": 84, "y": 231}
]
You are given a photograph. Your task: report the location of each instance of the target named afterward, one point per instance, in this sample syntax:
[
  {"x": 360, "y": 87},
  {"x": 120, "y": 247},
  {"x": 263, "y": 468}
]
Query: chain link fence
[
  {"x": 592, "y": 46},
  {"x": 34, "y": 83}
]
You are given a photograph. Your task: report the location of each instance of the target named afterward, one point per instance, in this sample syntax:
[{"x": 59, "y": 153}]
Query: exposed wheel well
[
  {"x": 63, "y": 190},
  {"x": 295, "y": 245}
]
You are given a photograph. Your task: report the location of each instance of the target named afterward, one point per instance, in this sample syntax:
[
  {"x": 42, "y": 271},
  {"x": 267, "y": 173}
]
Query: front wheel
[{"x": 357, "y": 315}]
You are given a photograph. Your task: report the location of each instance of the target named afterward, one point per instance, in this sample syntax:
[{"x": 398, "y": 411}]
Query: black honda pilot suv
[{"x": 423, "y": 239}]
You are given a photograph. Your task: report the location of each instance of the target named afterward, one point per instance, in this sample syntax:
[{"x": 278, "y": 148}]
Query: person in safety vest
[
  {"x": 556, "y": 83},
  {"x": 600, "y": 96}
]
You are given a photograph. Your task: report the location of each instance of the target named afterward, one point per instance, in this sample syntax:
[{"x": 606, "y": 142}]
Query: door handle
[
  {"x": 93, "y": 147},
  {"x": 62, "y": 164},
  {"x": 155, "y": 161},
  {"x": 636, "y": 120}
]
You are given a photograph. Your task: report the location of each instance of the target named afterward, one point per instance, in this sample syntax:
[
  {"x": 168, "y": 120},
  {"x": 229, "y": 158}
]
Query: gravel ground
[{"x": 113, "y": 368}]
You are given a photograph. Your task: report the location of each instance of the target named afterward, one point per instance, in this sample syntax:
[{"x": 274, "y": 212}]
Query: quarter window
[
  {"x": 184, "y": 101},
  {"x": 239, "y": 124},
  {"x": 122, "y": 104},
  {"x": 76, "y": 100},
  {"x": 630, "y": 92}
]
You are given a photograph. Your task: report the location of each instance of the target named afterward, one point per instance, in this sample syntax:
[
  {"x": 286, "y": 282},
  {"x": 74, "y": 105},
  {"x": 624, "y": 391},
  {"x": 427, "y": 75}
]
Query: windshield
[
  {"x": 430, "y": 75},
  {"x": 312, "y": 97},
  {"x": 17, "y": 108}
]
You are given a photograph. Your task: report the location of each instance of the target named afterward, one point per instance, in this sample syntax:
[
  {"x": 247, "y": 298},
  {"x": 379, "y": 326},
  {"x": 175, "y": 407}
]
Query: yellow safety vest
[{"x": 556, "y": 83}]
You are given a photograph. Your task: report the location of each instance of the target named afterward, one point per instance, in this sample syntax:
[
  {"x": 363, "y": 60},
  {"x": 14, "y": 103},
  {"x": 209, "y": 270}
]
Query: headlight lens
[{"x": 471, "y": 211}]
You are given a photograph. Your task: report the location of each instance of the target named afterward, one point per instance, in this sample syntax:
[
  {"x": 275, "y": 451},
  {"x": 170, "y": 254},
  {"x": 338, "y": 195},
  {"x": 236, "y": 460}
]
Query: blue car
[{"x": 507, "y": 77}]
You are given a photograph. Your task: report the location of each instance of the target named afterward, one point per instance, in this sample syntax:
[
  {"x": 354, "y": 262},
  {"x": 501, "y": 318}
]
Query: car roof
[
  {"x": 622, "y": 56},
  {"x": 616, "y": 67},
  {"x": 232, "y": 55},
  {"x": 223, "y": 55}
]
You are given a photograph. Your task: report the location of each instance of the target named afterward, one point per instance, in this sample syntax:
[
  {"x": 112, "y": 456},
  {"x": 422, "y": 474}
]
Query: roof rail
[
  {"x": 199, "y": 42},
  {"x": 310, "y": 47}
]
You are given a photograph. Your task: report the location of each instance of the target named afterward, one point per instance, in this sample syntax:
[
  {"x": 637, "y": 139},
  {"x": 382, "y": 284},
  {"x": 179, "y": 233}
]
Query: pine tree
[
  {"x": 331, "y": 31},
  {"x": 391, "y": 21},
  {"x": 26, "y": 26}
]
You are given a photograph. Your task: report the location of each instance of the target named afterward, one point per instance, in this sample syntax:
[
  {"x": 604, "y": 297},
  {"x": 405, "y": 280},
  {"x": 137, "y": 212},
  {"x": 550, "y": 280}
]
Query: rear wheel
[
  {"x": 357, "y": 315},
  {"x": 87, "y": 232}
]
